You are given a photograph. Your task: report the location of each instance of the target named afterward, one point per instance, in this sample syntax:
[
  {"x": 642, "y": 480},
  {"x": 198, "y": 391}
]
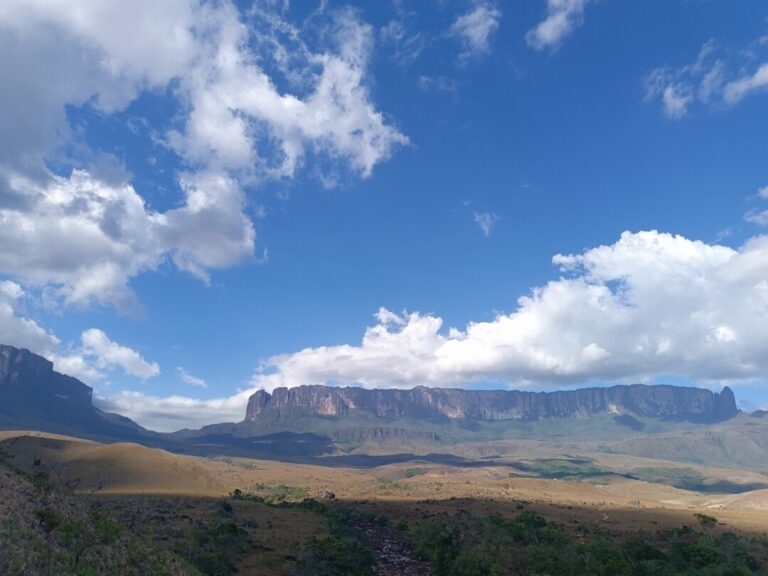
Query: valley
[{"x": 323, "y": 482}]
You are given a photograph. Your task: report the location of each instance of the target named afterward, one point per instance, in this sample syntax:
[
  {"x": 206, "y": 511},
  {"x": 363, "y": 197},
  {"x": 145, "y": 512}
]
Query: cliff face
[
  {"x": 441, "y": 403},
  {"x": 24, "y": 375},
  {"x": 33, "y": 396}
]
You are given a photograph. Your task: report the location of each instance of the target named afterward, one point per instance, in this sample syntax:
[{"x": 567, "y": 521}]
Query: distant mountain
[
  {"x": 344, "y": 426},
  {"x": 35, "y": 397},
  {"x": 741, "y": 442},
  {"x": 670, "y": 402},
  {"x": 348, "y": 425}
]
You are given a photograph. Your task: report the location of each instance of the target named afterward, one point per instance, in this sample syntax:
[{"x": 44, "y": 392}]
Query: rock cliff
[
  {"x": 444, "y": 403},
  {"x": 24, "y": 375},
  {"x": 33, "y": 396}
]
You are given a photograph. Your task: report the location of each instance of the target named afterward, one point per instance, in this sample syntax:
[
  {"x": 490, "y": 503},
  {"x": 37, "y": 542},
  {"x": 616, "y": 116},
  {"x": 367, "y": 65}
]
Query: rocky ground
[{"x": 392, "y": 549}]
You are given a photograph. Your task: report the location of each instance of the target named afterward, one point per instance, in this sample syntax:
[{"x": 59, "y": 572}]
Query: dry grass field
[{"x": 179, "y": 501}]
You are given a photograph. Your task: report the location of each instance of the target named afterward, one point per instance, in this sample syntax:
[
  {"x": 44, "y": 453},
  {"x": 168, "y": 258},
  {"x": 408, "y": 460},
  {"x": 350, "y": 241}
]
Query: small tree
[{"x": 708, "y": 523}]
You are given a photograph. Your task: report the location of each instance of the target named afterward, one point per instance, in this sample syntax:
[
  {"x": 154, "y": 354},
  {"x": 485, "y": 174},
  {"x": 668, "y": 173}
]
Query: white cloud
[
  {"x": 109, "y": 354},
  {"x": 188, "y": 378},
  {"x": 97, "y": 352},
  {"x": 759, "y": 217},
  {"x": 676, "y": 92},
  {"x": 77, "y": 365},
  {"x": 486, "y": 221},
  {"x": 437, "y": 84},
  {"x": 475, "y": 29},
  {"x": 407, "y": 46},
  {"x": 710, "y": 80},
  {"x": 676, "y": 101},
  {"x": 175, "y": 412},
  {"x": 563, "y": 17},
  {"x": 86, "y": 236},
  {"x": 650, "y": 304},
  {"x": 83, "y": 236},
  {"x": 100, "y": 53},
  {"x": 755, "y": 216},
  {"x": 236, "y": 109},
  {"x": 737, "y": 90},
  {"x": 15, "y": 329}
]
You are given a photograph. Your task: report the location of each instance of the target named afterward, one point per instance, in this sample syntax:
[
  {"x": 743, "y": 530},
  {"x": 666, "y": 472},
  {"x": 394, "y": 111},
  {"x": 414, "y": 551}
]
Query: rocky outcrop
[
  {"x": 663, "y": 401},
  {"x": 24, "y": 375},
  {"x": 33, "y": 396}
]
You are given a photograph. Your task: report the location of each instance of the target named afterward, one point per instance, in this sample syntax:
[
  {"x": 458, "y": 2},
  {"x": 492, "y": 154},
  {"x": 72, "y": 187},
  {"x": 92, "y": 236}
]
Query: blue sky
[{"x": 198, "y": 199}]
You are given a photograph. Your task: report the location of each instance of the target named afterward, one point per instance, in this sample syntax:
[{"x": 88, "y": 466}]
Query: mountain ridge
[
  {"x": 34, "y": 396},
  {"x": 310, "y": 422},
  {"x": 660, "y": 401}
]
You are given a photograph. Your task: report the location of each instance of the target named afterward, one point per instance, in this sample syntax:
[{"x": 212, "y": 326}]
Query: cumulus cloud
[
  {"x": 86, "y": 236},
  {"x": 486, "y": 221},
  {"x": 86, "y": 362},
  {"x": 80, "y": 235},
  {"x": 109, "y": 354},
  {"x": 475, "y": 29},
  {"x": 102, "y": 53},
  {"x": 76, "y": 364},
  {"x": 234, "y": 97},
  {"x": 188, "y": 378},
  {"x": 563, "y": 17},
  {"x": 650, "y": 304},
  {"x": 712, "y": 79},
  {"x": 17, "y": 330},
  {"x": 173, "y": 413}
]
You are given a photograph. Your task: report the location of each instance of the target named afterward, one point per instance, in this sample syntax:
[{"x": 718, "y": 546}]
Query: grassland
[{"x": 218, "y": 515}]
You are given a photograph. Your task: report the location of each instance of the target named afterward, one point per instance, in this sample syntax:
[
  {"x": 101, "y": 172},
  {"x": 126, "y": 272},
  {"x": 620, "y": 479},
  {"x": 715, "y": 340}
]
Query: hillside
[
  {"x": 45, "y": 530},
  {"x": 33, "y": 396},
  {"x": 738, "y": 443},
  {"x": 115, "y": 468}
]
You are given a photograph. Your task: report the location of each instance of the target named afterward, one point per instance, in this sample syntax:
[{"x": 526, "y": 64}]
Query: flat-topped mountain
[
  {"x": 673, "y": 402},
  {"x": 33, "y": 396},
  {"x": 309, "y": 422}
]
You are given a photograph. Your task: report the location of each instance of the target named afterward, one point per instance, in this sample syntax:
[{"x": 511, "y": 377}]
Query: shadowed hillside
[{"x": 35, "y": 397}]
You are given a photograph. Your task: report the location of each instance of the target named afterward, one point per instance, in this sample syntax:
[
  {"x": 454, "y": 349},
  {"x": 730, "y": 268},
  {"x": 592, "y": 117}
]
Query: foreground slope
[
  {"x": 45, "y": 530},
  {"x": 117, "y": 468}
]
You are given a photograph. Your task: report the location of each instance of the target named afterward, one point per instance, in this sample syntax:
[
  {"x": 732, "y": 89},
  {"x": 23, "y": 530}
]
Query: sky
[{"x": 200, "y": 199}]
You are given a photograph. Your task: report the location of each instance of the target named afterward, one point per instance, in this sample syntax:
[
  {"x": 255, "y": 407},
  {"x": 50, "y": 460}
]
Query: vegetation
[
  {"x": 468, "y": 545},
  {"x": 268, "y": 494},
  {"x": 274, "y": 529},
  {"x": 44, "y": 530},
  {"x": 213, "y": 547},
  {"x": 335, "y": 556},
  {"x": 345, "y": 551}
]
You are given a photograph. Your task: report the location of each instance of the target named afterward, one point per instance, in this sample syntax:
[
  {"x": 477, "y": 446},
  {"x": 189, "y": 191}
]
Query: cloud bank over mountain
[{"x": 650, "y": 304}]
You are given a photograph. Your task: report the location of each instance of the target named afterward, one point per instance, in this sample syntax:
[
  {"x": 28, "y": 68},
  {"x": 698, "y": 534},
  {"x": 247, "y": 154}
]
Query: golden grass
[{"x": 133, "y": 469}]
